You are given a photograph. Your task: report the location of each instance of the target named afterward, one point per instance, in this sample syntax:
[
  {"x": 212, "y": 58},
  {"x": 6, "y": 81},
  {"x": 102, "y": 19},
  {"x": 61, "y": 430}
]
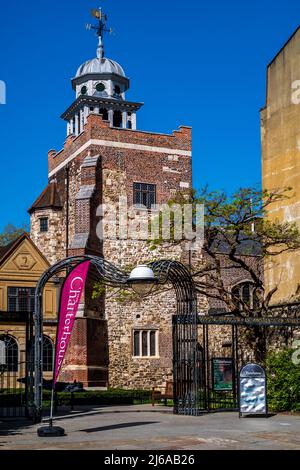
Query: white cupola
[{"x": 100, "y": 85}]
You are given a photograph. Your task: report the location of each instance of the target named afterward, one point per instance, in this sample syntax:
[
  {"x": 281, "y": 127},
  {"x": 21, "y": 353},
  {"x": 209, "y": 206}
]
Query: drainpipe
[{"x": 67, "y": 181}]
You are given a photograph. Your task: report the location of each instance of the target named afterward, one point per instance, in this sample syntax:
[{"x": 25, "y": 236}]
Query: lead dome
[{"x": 100, "y": 66}]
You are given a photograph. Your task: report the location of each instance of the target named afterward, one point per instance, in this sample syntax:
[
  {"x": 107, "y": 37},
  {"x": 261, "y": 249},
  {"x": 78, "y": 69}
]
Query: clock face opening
[
  {"x": 84, "y": 90},
  {"x": 100, "y": 87}
]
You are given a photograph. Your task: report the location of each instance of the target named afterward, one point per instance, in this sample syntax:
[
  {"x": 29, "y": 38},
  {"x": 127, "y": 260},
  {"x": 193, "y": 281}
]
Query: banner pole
[
  {"x": 73, "y": 283},
  {"x": 54, "y": 374},
  {"x": 51, "y": 409}
]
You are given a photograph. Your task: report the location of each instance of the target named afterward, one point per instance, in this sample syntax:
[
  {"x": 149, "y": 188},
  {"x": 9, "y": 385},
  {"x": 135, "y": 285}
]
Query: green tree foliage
[
  {"x": 11, "y": 233},
  {"x": 236, "y": 227},
  {"x": 283, "y": 382},
  {"x": 239, "y": 237}
]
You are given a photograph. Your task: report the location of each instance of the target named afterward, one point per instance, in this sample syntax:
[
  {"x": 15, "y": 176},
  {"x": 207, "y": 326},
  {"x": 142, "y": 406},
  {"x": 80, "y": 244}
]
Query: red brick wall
[
  {"x": 96, "y": 128},
  {"x": 86, "y": 360}
]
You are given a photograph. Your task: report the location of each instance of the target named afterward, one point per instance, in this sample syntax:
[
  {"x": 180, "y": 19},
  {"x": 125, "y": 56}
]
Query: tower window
[
  {"x": 117, "y": 119},
  {"x": 100, "y": 87},
  {"x": 144, "y": 195},
  {"x": 145, "y": 343},
  {"x": 20, "y": 299},
  {"x": 104, "y": 113},
  {"x": 44, "y": 224},
  {"x": 84, "y": 90},
  {"x": 117, "y": 90}
]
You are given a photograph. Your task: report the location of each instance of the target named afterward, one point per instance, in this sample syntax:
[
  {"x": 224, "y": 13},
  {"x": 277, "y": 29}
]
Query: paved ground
[{"x": 146, "y": 428}]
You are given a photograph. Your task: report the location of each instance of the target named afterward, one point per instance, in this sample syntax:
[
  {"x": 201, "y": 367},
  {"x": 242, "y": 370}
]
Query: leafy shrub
[{"x": 283, "y": 384}]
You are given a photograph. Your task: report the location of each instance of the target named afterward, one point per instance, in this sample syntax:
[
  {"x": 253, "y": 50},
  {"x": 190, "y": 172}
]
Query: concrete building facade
[{"x": 280, "y": 136}]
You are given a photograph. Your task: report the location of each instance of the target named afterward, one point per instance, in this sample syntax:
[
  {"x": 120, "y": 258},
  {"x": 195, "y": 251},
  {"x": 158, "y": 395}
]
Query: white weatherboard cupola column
[{"x": 100, "y": 85}]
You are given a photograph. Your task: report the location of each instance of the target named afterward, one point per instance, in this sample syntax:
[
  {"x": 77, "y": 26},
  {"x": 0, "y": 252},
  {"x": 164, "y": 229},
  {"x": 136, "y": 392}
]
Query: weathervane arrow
[{"x": 100, "y": 28}]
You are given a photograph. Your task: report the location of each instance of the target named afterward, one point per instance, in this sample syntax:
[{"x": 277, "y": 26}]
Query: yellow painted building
[
  {"x": 21, "y": 265},
  {"x": 280, "y": 135}
]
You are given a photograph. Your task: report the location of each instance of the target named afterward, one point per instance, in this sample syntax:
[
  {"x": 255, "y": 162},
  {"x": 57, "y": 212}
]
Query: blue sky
[{"x": 194, "y": 63}]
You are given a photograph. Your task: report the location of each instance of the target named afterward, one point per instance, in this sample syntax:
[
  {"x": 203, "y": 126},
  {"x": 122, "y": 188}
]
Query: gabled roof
[
  {"x": 49, "y": 199},
  {"x": 5, "y": 251}
]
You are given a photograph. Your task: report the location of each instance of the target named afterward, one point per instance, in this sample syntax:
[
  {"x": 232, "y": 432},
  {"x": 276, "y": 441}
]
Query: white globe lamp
[{"x": 142, "y": 280}]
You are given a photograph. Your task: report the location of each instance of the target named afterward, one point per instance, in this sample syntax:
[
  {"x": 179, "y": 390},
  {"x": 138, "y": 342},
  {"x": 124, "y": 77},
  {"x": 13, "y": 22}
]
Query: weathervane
[{"x": 100, "y": 29}]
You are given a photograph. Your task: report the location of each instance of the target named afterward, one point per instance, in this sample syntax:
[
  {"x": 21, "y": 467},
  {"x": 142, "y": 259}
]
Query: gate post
[{"x": 185, "y": 335}]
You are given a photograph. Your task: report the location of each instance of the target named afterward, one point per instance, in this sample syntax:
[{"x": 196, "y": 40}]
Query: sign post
[{"x": 252, "y": 390}]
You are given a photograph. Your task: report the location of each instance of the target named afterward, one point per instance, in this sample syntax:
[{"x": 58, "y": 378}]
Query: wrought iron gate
[
  {"x": 185, "y": 328},
  {"x": 185, "y": 365},
  {"x": 16, "y": 376},
  {"x": 13, "y": 392},
  {"x": 220, "y": 396},
  {"x": 222, "y": 362}
]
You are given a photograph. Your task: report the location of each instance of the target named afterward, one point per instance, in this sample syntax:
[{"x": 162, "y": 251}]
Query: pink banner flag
[{"x": 69, "y": 303}]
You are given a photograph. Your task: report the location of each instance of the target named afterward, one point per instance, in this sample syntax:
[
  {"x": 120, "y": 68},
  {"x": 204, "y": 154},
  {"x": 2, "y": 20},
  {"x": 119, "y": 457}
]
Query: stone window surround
[
  {"x": 22, "y": 297},
  {"x": 239, "y": 286},
  {"x": 44, "y": 224},
  {"x": 148, "y": 330}
]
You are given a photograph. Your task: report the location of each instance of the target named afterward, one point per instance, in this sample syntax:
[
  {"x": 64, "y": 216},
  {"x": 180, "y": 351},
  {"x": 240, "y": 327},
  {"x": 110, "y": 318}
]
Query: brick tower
[{"x": 105, "y": 157}]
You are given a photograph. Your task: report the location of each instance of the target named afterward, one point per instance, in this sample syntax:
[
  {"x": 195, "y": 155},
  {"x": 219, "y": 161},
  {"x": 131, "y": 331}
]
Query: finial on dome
[
  {"x": 100, "y": 49},
  {"x": 100, "y": 28}
]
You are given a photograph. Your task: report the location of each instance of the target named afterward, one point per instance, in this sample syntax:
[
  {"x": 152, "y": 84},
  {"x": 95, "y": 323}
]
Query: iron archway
[{"x": 184, "y": 332}]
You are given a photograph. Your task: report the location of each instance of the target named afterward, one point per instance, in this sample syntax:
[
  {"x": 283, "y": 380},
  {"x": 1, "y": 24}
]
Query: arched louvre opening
[
  {"x": 104, "y": 113},
  {"x": 117, "y": 119}
]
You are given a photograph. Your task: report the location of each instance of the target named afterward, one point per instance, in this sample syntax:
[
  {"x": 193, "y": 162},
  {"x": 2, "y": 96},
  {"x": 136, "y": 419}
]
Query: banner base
[{"x": 54, "y": 431}]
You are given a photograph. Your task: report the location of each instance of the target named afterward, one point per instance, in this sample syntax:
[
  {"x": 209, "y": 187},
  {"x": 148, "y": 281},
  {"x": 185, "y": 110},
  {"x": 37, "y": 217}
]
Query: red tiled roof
[{"x": 48, "y": 199}]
